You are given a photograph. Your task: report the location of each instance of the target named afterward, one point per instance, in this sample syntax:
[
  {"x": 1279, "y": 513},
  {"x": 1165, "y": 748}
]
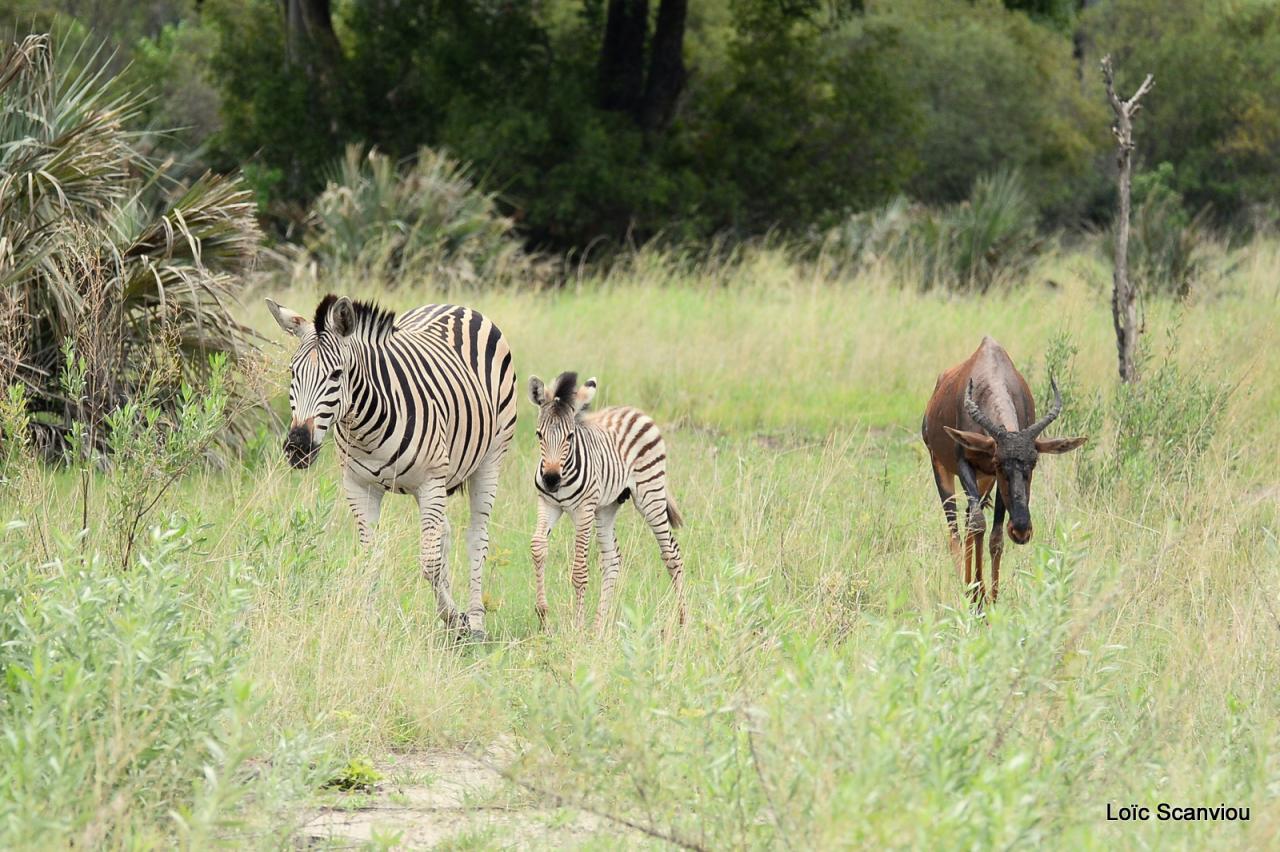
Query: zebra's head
[
  {"x": 559, "y": 407},
  {"x": 315, "y": 390}
]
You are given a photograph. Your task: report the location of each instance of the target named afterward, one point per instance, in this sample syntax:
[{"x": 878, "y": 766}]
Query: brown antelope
[{"x": 980, "y": 425}]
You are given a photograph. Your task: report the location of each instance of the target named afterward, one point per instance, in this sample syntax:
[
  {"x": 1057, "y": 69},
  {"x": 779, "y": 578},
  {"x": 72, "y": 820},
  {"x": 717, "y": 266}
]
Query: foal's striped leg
[
  {"x": 653, "y": 506},
  {"x": 610, "y": 562}
]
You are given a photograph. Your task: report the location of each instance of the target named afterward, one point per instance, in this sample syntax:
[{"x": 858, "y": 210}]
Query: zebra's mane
[
  {"x": 564, "y": 388},
  {"x": 368, "y": 316}
]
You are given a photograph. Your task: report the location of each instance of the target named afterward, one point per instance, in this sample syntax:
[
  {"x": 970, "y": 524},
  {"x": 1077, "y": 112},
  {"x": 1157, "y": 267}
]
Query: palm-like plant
[
  {"x": 422, "y": 218},
  {"x": 98, "y": 246}
]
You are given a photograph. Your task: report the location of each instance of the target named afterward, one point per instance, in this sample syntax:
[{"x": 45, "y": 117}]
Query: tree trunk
[
  {"x": 310, "y": 41},
  {"x": 622, "y": 56},
  {"x": 1124, "y": 309},
  {"x": 666, "y": 66}
]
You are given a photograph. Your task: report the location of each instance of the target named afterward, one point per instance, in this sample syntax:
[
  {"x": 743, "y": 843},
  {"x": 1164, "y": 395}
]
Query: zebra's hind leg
[
  {"x": 653, "y": 505},
  {"x": 610, "y": 563},
  {"x": 431, "y": 508},
  {"x": 482, "y": 490}
]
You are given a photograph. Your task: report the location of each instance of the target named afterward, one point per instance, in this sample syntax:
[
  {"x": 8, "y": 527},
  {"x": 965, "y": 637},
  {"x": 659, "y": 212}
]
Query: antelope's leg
[
  {"x": 946, "y": 483},
  {"x": 997, "y": 545},
  {"x": 975, "y": 527}
]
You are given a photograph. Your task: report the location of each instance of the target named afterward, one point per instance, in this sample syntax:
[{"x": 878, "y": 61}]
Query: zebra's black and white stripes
[
  {"x": 589, "y": 465},
  {"x": 421, "y": 404}
]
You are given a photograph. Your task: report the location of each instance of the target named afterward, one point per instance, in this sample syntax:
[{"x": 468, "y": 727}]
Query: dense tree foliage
[{"x": 627, "y": 119}]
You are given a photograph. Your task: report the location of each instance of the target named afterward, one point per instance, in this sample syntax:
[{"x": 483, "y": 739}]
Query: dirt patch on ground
[{"x": 429, "y": 799}]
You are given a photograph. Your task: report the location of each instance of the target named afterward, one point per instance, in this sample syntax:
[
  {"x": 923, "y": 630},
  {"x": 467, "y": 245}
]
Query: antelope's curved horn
[
  {"x": 1054, "y": 410},
  {"x": 972, "y": 409}
]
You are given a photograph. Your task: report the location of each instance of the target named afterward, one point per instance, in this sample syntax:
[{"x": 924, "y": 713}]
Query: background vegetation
[
  {"x": 784, "y": 115},
  {"x": 772, "y": 238}
]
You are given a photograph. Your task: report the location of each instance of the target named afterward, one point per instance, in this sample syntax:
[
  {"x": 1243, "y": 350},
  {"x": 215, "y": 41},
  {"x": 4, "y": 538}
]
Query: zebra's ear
[
  {"x": 342, "y": 317},
  {"x": 585, "y": 394},
  {"x": 294, "y": 323},
  {"x": 537, "y": 391}
]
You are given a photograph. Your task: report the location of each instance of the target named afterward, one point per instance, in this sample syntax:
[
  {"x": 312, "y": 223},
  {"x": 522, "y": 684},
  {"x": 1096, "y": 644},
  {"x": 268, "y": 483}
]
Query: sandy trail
[{"x": 427, "y": 799}]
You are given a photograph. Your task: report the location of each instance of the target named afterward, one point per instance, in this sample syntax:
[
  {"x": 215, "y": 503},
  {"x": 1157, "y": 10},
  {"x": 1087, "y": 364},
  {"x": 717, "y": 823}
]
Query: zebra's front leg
[
  {"x": 583, "y": 519},
  {"x": 431, "y": 508},
  {"x": 482, "y": 489},
  {"x": 366, "y": 505},
  {"x": 548, "y": 514},
  {"x": 610, "y": 564}
]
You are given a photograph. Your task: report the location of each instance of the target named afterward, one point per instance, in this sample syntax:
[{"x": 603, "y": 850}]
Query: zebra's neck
[{"x": 364, "y": 412}]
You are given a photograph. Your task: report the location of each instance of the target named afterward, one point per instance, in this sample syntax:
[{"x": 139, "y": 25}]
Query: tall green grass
[{"x": 833, "y": 687}]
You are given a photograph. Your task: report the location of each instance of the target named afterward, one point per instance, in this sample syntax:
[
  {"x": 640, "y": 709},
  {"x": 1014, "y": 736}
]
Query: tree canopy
[{"x": 629, "y": 119}]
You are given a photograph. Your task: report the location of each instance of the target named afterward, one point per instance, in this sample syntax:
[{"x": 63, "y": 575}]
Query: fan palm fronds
[{"x": 98, "y": 246}]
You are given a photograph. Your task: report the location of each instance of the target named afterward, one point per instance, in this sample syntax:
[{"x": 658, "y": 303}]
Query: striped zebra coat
[
  {"x": 422, "y": 404},
  {"x": 589, "y": 465}
]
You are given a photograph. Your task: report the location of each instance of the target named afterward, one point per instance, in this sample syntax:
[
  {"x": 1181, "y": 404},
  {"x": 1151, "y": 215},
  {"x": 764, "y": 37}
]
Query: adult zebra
[{"x": 422, "y": 403}]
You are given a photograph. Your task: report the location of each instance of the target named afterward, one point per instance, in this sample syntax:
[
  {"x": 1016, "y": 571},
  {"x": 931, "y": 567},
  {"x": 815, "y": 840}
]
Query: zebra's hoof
[{"x": 478, "y": 636}]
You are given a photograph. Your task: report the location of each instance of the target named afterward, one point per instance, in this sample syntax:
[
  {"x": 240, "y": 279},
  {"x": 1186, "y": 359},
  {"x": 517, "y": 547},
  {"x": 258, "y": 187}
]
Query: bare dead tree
[{"x": 1124, "y": 309}]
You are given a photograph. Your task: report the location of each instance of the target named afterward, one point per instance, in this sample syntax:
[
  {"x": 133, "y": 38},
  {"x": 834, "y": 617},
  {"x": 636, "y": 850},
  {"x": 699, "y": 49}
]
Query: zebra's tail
[{"x": 673, "y": 515}]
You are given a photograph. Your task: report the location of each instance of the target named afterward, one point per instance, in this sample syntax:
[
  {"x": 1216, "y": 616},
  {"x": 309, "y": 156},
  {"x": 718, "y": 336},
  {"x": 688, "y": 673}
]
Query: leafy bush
[
  {"x": 1215, "y": 111},
  {"x": 120, "y": 700},
  {"x": 423, "y": 218},
  {"x": 1147, "y": 432},
  {"x": 996, "y": 91},
  {"x": 988, "y": 241},
  {"x": 100, "y": 246},
  {"x": 1171, "y": 250},
  {"x": 809, "y": 118}
]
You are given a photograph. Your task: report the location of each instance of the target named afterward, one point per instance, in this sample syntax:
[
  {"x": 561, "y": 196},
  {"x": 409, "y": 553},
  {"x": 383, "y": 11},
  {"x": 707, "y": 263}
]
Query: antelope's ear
[
  {"x": 1058, "y": 445},
  {"x": 585, "y": 394},
  {"x": 973, "y": 441},
  {"x": 342, "y": 317},
  {"x": 294, "y": 323},
  {"x": 537, "y": 391}
]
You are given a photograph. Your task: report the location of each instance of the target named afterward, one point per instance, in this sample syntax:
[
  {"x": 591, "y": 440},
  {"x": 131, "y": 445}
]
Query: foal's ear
[
  {"x": 974, "y": 442},
  {"x": 1058, "y": 445},
  {"x": 537, "y": 391},
  {"x": 292, "y": 322},
  {"x": 585, "y": 394}
]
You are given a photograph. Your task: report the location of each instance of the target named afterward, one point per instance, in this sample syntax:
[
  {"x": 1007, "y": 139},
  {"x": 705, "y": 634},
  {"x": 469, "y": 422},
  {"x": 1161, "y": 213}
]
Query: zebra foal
[
  {"x": 589, "y": 465},
  {"x": 422, "y": 404}
]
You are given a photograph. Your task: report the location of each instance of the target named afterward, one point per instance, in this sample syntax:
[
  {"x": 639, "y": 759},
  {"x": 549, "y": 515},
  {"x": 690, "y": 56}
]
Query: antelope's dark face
[
  {"x": 316, "y": 386},
  {"x": 559, "y": 408},
  {"x": 1012, "y": 458}
]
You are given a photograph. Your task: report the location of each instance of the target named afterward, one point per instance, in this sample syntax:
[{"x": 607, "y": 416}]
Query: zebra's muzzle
[{"x": 299, "y": 449}]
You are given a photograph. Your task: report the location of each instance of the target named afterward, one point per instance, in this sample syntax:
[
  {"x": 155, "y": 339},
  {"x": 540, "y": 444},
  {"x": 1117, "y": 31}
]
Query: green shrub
[
  {"x": 119, "y": 698},
  {"x": 1214, "y": 113},
  {"x": 996, "y": 91},
  {"x": 987, "y": 241},
  {"x": 1172, "y": 251},
  {"x": 423, "y": 219}
]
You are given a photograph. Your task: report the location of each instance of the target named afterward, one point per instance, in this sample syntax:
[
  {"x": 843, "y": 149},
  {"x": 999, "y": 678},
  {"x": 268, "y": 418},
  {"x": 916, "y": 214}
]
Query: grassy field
[{"x": 832, "y": 688}]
